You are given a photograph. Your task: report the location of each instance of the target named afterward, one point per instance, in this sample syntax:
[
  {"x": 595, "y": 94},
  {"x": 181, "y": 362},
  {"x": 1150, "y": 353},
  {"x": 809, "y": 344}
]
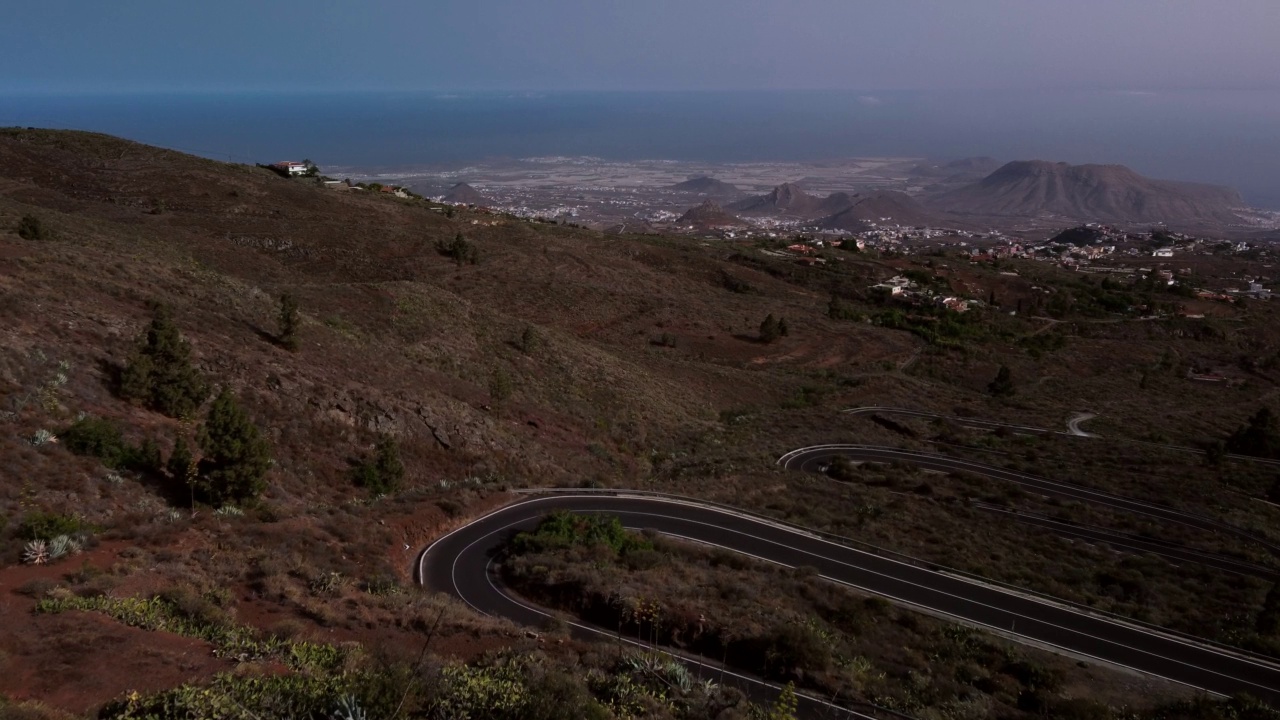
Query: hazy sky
[{"x": 128, "y": 45}]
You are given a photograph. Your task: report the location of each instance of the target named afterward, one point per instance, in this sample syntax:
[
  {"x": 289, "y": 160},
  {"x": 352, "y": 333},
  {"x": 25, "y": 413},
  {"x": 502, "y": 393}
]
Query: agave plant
[
  {"x": 36, "y": 553},
  {"x": 229, "y": 511},
  {"x": 349, "y": 709},
  {"x": 59, "y": 547},
  {"x": 43, "y": 437},
  {"x": 662, "y": 668}
]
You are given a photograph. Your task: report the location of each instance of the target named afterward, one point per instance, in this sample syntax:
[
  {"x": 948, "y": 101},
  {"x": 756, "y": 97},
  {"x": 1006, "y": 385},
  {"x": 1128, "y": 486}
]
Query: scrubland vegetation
[{"x": 228, "y": 427}]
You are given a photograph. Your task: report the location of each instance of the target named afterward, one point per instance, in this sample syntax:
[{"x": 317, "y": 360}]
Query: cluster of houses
[{"x": 908, "y": 291}]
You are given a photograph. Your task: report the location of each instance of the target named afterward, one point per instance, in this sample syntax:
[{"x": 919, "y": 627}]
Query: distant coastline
[{"x": 1214, "y": 137}]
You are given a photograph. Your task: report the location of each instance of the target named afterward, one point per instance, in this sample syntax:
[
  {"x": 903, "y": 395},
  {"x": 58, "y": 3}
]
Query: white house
[
  {"x": 1163, "y": 252},
  {"x": 288, "y": 166}
]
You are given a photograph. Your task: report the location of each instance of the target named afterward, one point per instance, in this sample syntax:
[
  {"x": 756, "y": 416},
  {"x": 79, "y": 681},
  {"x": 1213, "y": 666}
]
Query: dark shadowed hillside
[{"x": 1108, "y": 193}]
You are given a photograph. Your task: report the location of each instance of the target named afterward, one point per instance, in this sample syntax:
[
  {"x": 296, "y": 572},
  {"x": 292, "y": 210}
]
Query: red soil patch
[{"x": 77, "y": 661}]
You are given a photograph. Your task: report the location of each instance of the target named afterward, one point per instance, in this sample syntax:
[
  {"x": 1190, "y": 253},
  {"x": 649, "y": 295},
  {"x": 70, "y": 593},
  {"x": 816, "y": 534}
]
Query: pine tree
[
  {"x": 145, "y": 458},
  {"x": 289, "y": 322},
  {"x": 387, "y": 461},
  {"x": 236, "y": 456},
  {"x": 182, "y": 467},
  {"x": 159, "y": 372},
  {"x": 529, "y": 340},
  {"x": 770, "y": 329},
  {"x": 1002, "y": 386},
  {"x": 500, "y": 385},
  {"x": 1259, "y": 438}
]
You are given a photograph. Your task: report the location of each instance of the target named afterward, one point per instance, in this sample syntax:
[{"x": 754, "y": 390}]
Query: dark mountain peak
[
  {"x": 1109, "y": 193},
  {"x": 704, "y": 185},
  {"x": 709, "y": 214},
  {"x": 787, "y": 194},
  {"x": 464, "y": 193}
]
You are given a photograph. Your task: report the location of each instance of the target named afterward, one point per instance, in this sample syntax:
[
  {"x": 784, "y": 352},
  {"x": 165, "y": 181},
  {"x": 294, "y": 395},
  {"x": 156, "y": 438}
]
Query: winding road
[
  {"x": 1073, "y": 429},
  {"x": 462, "y": 563},
  {"x": 817, "y": 457}
]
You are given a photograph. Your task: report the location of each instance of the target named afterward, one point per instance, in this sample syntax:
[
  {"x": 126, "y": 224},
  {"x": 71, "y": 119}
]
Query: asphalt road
[
  {"x": 1073, "y": 429},
  {"x": 813, "y": 459},
  {"x": 461, "y": 563},
  {"x": 1132, "y": 543}
]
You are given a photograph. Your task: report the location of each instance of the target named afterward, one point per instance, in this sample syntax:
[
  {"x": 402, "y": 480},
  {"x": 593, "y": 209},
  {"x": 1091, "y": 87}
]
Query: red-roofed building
[{"x": 290, "y": 167}]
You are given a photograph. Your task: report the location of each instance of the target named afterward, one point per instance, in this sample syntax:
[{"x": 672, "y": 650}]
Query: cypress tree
[{"x": 236, "y": 456}]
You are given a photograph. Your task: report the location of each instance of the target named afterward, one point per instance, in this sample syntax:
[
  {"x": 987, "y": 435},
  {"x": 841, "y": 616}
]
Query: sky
[{"x": 79, "y": 46}]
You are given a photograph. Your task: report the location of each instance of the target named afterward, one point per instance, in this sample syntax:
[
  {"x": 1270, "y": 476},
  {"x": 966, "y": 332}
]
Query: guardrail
[{"x": 908, "y": 560}]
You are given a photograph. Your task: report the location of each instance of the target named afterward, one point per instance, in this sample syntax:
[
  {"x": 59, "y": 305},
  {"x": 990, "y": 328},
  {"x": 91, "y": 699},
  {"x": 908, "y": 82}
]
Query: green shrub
[
  {"x": 30, "y": 228},
  {"x": 460, "y": 250},
  {"x": 37, "y": 525},
  {"x": 96, "y": 437},
  {"x": 564, "y": 529},
  {"x": 382, "y": 473},
  {"x": 101, "y": 438}
]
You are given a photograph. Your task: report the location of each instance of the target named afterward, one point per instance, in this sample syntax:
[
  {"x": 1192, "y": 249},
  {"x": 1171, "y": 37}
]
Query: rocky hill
[
  {"x": 1105, "y": 193},
  {"x": 789, "y": 199},
  {"x": 466, "y": 195},
  {"x": 708, "y": 215},
  {"x": 882, "y": 208},
  {"x": 708, "y": 186}
]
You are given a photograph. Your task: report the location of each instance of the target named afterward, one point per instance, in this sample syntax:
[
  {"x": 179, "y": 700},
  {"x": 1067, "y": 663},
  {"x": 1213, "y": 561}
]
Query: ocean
[{"x": 1220, "y": 137}]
